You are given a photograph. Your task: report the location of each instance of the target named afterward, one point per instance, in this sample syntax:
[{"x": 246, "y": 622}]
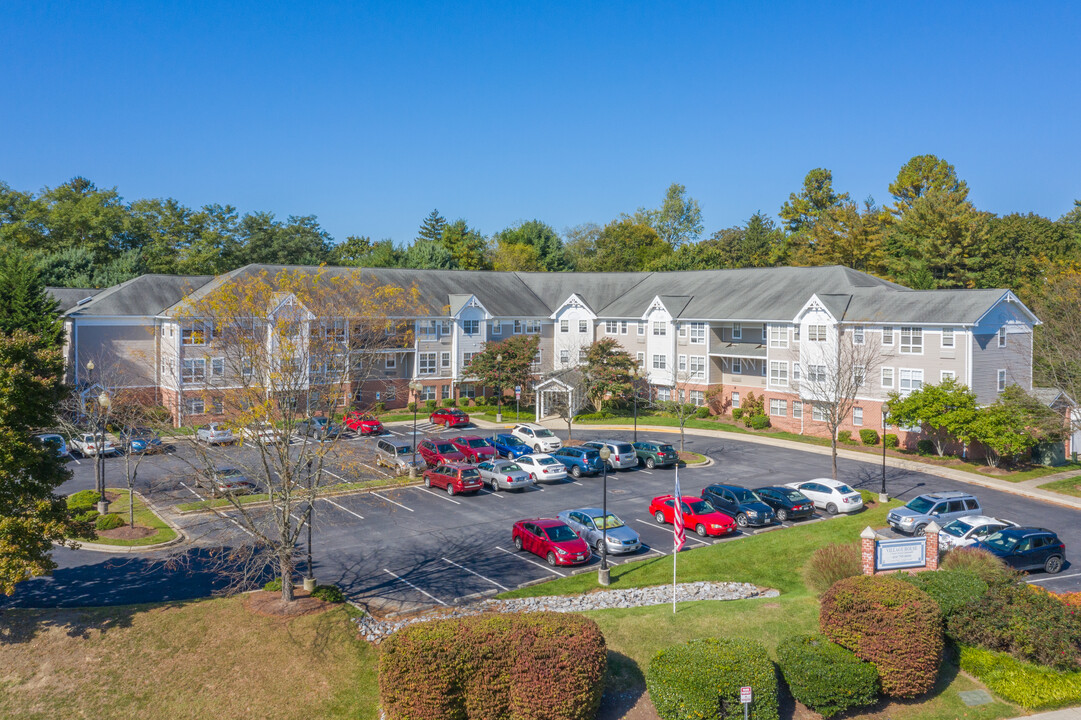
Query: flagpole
[{"x": 675, "y": 550}]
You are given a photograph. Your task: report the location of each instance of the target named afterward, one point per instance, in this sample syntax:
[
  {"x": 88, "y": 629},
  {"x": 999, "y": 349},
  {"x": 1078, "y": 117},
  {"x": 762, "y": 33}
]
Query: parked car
[
  {"x": 590, "y": 523},
  {"x": 214, "y": 434},
  {"x": 739, "y": 502},
  {"x": 226, "y": 481},
  {"x": 439, "y": 451},
  {"x": 787, "y": 504},
  {"x": 54, "y": 440},
  {"x": 580, "y": 460},
  {"x": 968, "y": 530},
  {"x": 941, "y": 507},
  {"x": 263, "y": 434},
  {"x": 509, "y": 446},
  {"x": 398, "y": 455},
  {"x": 86, "y": 444},
  {"x": 476, "y": 449},
  {"x": 449, "y": 417},
  {"x": 538, "y": 437},
  {"x": 698, "y": 515},
  {"x": 141, "y": 441},
  {"x": 1026, "y": 548},
  {"x": 833, "y": 496},
  {"x": 363, "y": 423},
  {"x": 550, "y": 539},
  {"x": 622, "y": 455},
  {"x": 504, "y": 475},
  {"x": 542, "y": 466},
  {"x": 455, "y": 478},
  {"x": 320, "y": 429},
  {"x": 655, "y": 454}
]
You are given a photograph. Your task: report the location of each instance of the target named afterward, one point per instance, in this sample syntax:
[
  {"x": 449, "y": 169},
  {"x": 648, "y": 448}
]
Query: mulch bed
[
  {"x": 269, "y": 604},
  {"x": 127, "y": 533}
]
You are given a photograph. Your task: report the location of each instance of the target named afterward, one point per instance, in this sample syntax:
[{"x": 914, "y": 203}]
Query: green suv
[{"x": 652, "y": 454}]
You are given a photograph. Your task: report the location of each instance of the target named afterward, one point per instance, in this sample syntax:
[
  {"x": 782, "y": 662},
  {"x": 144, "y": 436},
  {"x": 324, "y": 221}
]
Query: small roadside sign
[
  {"x": 745, "y": 695},
  {"x": 517, "y": 392}
]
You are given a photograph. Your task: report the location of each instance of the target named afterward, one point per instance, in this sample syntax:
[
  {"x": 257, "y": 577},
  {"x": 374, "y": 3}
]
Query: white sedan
[
  {"x": 968, "y": 530},
  {"x": 86, "y": 444},
  {"x": 833, "y": 496},
  {"x": 542, "y": 466}
]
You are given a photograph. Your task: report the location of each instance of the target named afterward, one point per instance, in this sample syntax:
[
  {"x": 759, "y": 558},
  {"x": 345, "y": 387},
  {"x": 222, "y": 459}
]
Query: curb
[{"x": 181, "y": 536}]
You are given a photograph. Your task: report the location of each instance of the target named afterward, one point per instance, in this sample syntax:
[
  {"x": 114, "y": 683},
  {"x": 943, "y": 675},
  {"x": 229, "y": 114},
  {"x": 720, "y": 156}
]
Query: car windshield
[
  {"x": 744, "y": 496},
  {"x": 543, "y": 432},
  {"x": 560, "y": 533},
  {"x": 403, "y": 449},
  {"x": 547, "y": 461},
  {"x": 508, "y": 467},
  {"x": 957, "y": 528},
  {"x": 591, "y": 454},
  {"x": 921, "y": 505},
  {"x": 624, "y": 448},
  {"x": 699, "y": 507},
  {"x": 469, "y": 473},
  {"x": 608, "y": 522},
  {"x": 1001, "y": 541},
  {"x": 444, "y": 447},
  {"x": 477, "y": 443},
  {"x": 319, "y": 421},
  {"x": 230, "y": 473}
]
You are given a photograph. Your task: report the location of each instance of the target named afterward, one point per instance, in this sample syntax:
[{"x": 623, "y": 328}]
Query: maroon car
[
  {"x": 552, "y": 540},
  {"x": 454, "y": 478},
  {"x": 476, "y": 449},
  {"x": 438, "y": 452},
  {"x": 449, "y": 417}
]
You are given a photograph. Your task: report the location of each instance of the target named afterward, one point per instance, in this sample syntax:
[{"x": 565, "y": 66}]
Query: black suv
[
  {"x": 739, "y": 502},
  {"x": 787, "y": 503}
]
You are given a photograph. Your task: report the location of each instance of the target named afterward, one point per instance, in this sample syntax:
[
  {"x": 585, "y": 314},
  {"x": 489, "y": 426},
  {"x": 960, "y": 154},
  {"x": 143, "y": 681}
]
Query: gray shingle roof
[
  {"x": 67, "y": 298},
  {"x": 146, "y": 295}
]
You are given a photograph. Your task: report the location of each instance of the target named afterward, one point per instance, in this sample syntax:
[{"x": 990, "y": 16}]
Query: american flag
[{"x": 677, "y": 517}]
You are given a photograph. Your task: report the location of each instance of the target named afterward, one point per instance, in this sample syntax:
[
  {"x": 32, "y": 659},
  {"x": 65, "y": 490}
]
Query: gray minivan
[
  {"x": 942, "y": 507},
  {"x": 397, "y": 455},
  {"x": 623, "y": 455}
]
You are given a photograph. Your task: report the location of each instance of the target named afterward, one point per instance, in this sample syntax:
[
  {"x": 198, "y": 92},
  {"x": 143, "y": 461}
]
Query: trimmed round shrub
[
  {"x": 737, "y": 413},
  {"x": 949, "y": 588},
  {"x": 327, "y": 593},
  {"x": 480, "y": 401},
  {"x": 759, "y": 422},
  {"x": 1028, "y": 624},
  {"x": 87, "y": 516},
  {"x": 430, "y": 404},
  {"x": 702, "y": 413},
  {"x": 890, "y": 623},
  {"x": 411, "y": 407},
  {"x": 891, "y": 440},
  {"x": 498, "y": 666},
  {"x": 979, "y": 562},
  {"x": 844, "y": 436},
  {"x": 925, "y": 447},
  {"x": 701, "y": 680},
  {"x": 831, "y": 563},
  {"x": 824, "y": 676},
  {"x": 869, "y": 436},
  {"x": 108, "y": 522},
  {"x": 449, "y": 402}
]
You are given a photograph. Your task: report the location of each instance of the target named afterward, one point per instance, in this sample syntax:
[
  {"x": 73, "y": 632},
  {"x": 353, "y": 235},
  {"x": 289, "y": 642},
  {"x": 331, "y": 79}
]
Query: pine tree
[
  {"x": 25, "y": 304},
  {"x": 432, "y": 227}
]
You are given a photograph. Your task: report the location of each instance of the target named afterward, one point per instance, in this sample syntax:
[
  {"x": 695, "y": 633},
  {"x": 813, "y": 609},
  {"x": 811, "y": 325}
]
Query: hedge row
[
  {"x": 951, "y": 589},
  {"x": 1031, "y": 686},
  {"x": 701, "y": 680},
  {"x": 890, "y": 623},
  {"x": 825, "y": 677},
  {"x": 534, "y": 665}
]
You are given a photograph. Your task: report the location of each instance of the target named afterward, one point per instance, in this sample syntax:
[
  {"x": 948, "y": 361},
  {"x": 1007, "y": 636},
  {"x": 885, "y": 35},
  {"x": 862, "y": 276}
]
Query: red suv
[
  {"x": 476, "y": 449},
  {"x": 449, "y": 417},
  {"x": 552, "y": 540},
  {"x": 438, "y": 452},
  {"x": 363, "y": 423},
  {"x": 698, "y": 515},
  {"x": 455, "y": 477}
]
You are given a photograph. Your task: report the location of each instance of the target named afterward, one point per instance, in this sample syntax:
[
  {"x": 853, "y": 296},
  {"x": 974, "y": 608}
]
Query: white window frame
[
  {"x": 427, "y": 329},
  {"x": 467, "y": 357},
  {"x": 1001, "y": 380},
  {"x": 217, "y": 367},
  {"x": 778, "y": 373},
  {"x": 859, "y": 375},
  {"x": 195, "y": 406},
  {"x": 797, "y": 409},
  {"x": 737, "y": 366},
  {"x": 778, "y": 407},
  {"x": 778, "y": 336},
  {"x": 914, "y": 344},
  {"x": 857, "y": 416},
  {"x": 948, "y": 340},
  {"x": 735, "y": 400},
  {"x": 611, "y": 327},
  {"x": 737, "y": 331},
  {"x": 945, "y": 375},
  {"x": 682, "y": 363},
  {"x": 217, "y": 405},
  {"x": 583, "y": 326},
  {"x": 858, "y": 335},
  {"x": 564, "y": 325},
  {"x": 1002, "y": 337},
  {"x": 817, "y": 333},
  {"x": 697, "y": 367},
  {"x": 681, "y": 328},
  {"x": 426, "y": 363},
  {"x": 564, "y": 357},
  {"x": 817, "y": 413},
  {"x": 796, "y": 372},
  {"x": 444, "y": 328},
  {"x": 660, "y": 362},
  {"x": 696, "y": 398},
  {"x": 190, "y": 371},
  {"x": 697, "y": 333},
  {"x": 583, "y": 355},
  {"x": 660, "y": 328},
  {"x": 471, "y": 327},
  {"x": 623, "y": 327},
  {"x": 664, "y": 394},
  {"x": 887, "y": 378},
  {"x": 495, "y": 327},
  {"x": 444, "y": 359},
  {"x": 189, "y": 334},
  {"x": 887, "y": 336},
  {"x": 391, "y": 362},
  {"x": 641, "y": 357},
  {"x": 641, "y": 328},
  {"x": 909, "y": 380}
]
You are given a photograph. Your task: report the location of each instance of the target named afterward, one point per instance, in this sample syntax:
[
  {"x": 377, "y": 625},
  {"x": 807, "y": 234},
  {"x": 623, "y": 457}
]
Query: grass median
[
  {"x": 144, "y": 517},
  {"x": 1066, "y": 486}
]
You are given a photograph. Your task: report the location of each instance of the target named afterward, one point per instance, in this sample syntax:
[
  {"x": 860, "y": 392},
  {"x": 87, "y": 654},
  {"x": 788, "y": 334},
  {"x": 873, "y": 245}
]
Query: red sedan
[
  {"x": 476, "y": 449},
  {"x": 454, "y": 478},
  {"x": 363, "y": 423},
  {"x": 552, "y": 540},
  {"x": 449, "y": 417},
  {"x": 438, "y": 452},
  {"x": 698, "y": 515}
]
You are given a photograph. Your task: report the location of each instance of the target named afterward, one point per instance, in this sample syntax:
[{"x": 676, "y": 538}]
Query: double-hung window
[
  {"x": 797, "y": 409},
  {"x": 391, "y": 362},
  {"x": 1001, "y": 380},
  {"x": 641, "y": 327},
  {"x": 681, "y": 328},
  {"x": 217, "y": 367},
  {"x": 1002, "y": 337},
  {"x": 193, "y": 334},
  {"x": 471, "y": 327},
  {"x": 911, "y": 341},
  {"x": 778, "y": 407},
  {"x": 947, "y": 338},
  {"x": 660, "y": 328},
  {"x": 611, "y": 327},
  {"x": 426, "y": 363},
  {"x": 818, "y": 413},
  {"x": 857, "y": 335},
  {"x": 698, "y": 367},
  {"x": 564, "y": 326},
  {"x": 887, "y": 377},
  {"x": 857, "y": 416},
  {"x": 816, "y": 333},
  {"x": 778, "y": 336},
  {"x": 737, "y": 331},
  {"x": 698, "y": 333},
  {"x": 737, "y": 366},
  {"x": 194, "y": 370},
  {"x": 945, "y": 375},
  {"x": 583, "y": 326},
  {"x": 426, "y": 329},
  {"x": 564, "y": 357},
  {"x": 444, "y": 328},
  {"x": 909, "y": 380},
  {"x": 778, "y": 373},
  {"x": 641, "y": 357},
  {"x": 467, "y": 358},
  {"x": 816, "y": 373},
  {"x": 444, "y": 359},
  {"x": 682, "y": 366},
  {"x": 696, "y": 398},
  {"x": 859, "y": 375},
  {"x": 495, "y": 328},
  {"x": 660, "y": 362},
  {"x": 623, "y": 327},
  {"x": 735, "y": 400},
  {"x": 887, "y": 336},
  {"x": 195, "y": 406}
]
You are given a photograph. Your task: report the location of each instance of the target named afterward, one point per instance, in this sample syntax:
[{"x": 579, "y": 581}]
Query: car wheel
[
  {"x": 831, "y": 509},
  {"x": 518, "y": 544},
  {"x": 450, "y": 489},
  {"x": 495, "y": 485},
  {"x": 659, "y": 517},
  {"x": 700, "y": 529},
  {"x": 1053, "y": 564},
  {"x": 446, "y": 425},
  {"x": 576, "y": 472},
  {"x": 536, "y": 448},
  {"x": 651, "y": 463},
  {"x": 920, "y": 530},
  {"x": 427, "y": 481},
  {"x": 551, "y": 559},
  {"x": 741, "y": 520},
  {"x": 782, "y": 515},
  {"x": 600, "y": 546}
]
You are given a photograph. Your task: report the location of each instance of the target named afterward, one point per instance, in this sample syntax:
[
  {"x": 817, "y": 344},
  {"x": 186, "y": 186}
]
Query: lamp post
[
  {"x": 603, "y": 573},
  {"x": 883, "y": 497},
  {"x": 499, "y": 387},
  {"x": 104, "y": 401},
  {"x": 309, "y": 581},
  {"x": 416, "y": 387}
]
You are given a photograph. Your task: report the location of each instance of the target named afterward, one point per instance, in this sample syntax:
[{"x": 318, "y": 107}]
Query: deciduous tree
[
  {"x": 1014, "y": 424},
  {"x": 677, "y": 221},
  {"x": 502, "y": 365},
  {"x": 608, "y": 372},
  {"x": 945, "y": 411}
]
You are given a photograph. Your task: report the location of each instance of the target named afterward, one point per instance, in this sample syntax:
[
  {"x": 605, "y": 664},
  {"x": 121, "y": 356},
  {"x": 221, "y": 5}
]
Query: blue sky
[{"x": 369, "y": 115}]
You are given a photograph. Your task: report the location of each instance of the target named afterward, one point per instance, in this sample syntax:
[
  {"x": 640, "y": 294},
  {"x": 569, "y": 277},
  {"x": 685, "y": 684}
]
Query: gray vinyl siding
[{"x": 988, "y": 358}]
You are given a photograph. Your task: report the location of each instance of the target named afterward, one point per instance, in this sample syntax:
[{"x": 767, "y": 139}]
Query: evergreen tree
[
  {"x": 467, "y": 246},
  {"x": 24, "y": 302},
  {"x": 432, "y": 227},
  {"x": 428, "y": 255}
]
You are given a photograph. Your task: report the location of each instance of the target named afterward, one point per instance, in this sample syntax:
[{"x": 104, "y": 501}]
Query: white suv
[{"x": 538, "y": 437}]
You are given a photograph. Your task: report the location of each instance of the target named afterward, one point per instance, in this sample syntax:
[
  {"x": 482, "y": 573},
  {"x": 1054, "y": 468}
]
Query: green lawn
[
  {"x": 1066, "y": 486},
  {"x": 143, "y": 516}
]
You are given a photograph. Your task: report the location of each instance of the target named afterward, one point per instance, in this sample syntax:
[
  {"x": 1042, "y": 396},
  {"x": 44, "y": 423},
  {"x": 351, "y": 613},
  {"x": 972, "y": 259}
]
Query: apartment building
[{"x": 709, "y": 336}]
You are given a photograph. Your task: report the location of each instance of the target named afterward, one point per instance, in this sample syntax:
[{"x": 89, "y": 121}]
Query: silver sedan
[
  {"x": 589, "y": 524},
  {"x": 504, "y": 475}
]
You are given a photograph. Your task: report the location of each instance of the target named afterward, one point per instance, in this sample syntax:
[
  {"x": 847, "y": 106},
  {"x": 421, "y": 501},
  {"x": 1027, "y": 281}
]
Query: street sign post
[
  {"x": 517, "y": 397},
  {"x": 745, "y": 696}
]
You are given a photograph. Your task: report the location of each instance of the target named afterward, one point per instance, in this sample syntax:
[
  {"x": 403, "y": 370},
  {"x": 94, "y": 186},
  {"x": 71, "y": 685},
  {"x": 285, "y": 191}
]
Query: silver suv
[
  {"x": 538, "y": 437},
  {"x": 397, "y": 455},
  {"x": 623, "y": 455},
  {"x": 942, "y": 507}
]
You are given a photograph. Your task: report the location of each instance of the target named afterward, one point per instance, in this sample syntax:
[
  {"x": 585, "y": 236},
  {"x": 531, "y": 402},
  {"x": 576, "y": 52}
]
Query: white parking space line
[
  {"x": 664, "y": 527},
  {"x": 393, "y": 502},
  {"x": 647, "y": 472},
  {"x": 342, "y": 507},
  {"x": 75, "y": 459},
  {"x": 493, "y": 493},
  {"x": 1055, "y": 577},
  {"x": 531, "y": 562},
  {"x": 441, "y": 497},
  {"x": 575, "y": 482},
  {"x": 399, "y": 577},
  {"x": 471, "y": 572},
  {"x": 224, "y": 515},
  {"x": 339, "y": 478}
]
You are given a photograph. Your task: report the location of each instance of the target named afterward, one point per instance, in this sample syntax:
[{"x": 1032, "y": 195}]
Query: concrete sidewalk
[
  {"x": 1073, "y": 713},
  {"x": 1026, "y": 488}
]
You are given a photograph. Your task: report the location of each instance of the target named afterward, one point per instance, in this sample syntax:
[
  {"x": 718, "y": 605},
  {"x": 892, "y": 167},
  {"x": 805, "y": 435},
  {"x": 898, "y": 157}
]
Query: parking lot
[{"x": 412, "y": 547}]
